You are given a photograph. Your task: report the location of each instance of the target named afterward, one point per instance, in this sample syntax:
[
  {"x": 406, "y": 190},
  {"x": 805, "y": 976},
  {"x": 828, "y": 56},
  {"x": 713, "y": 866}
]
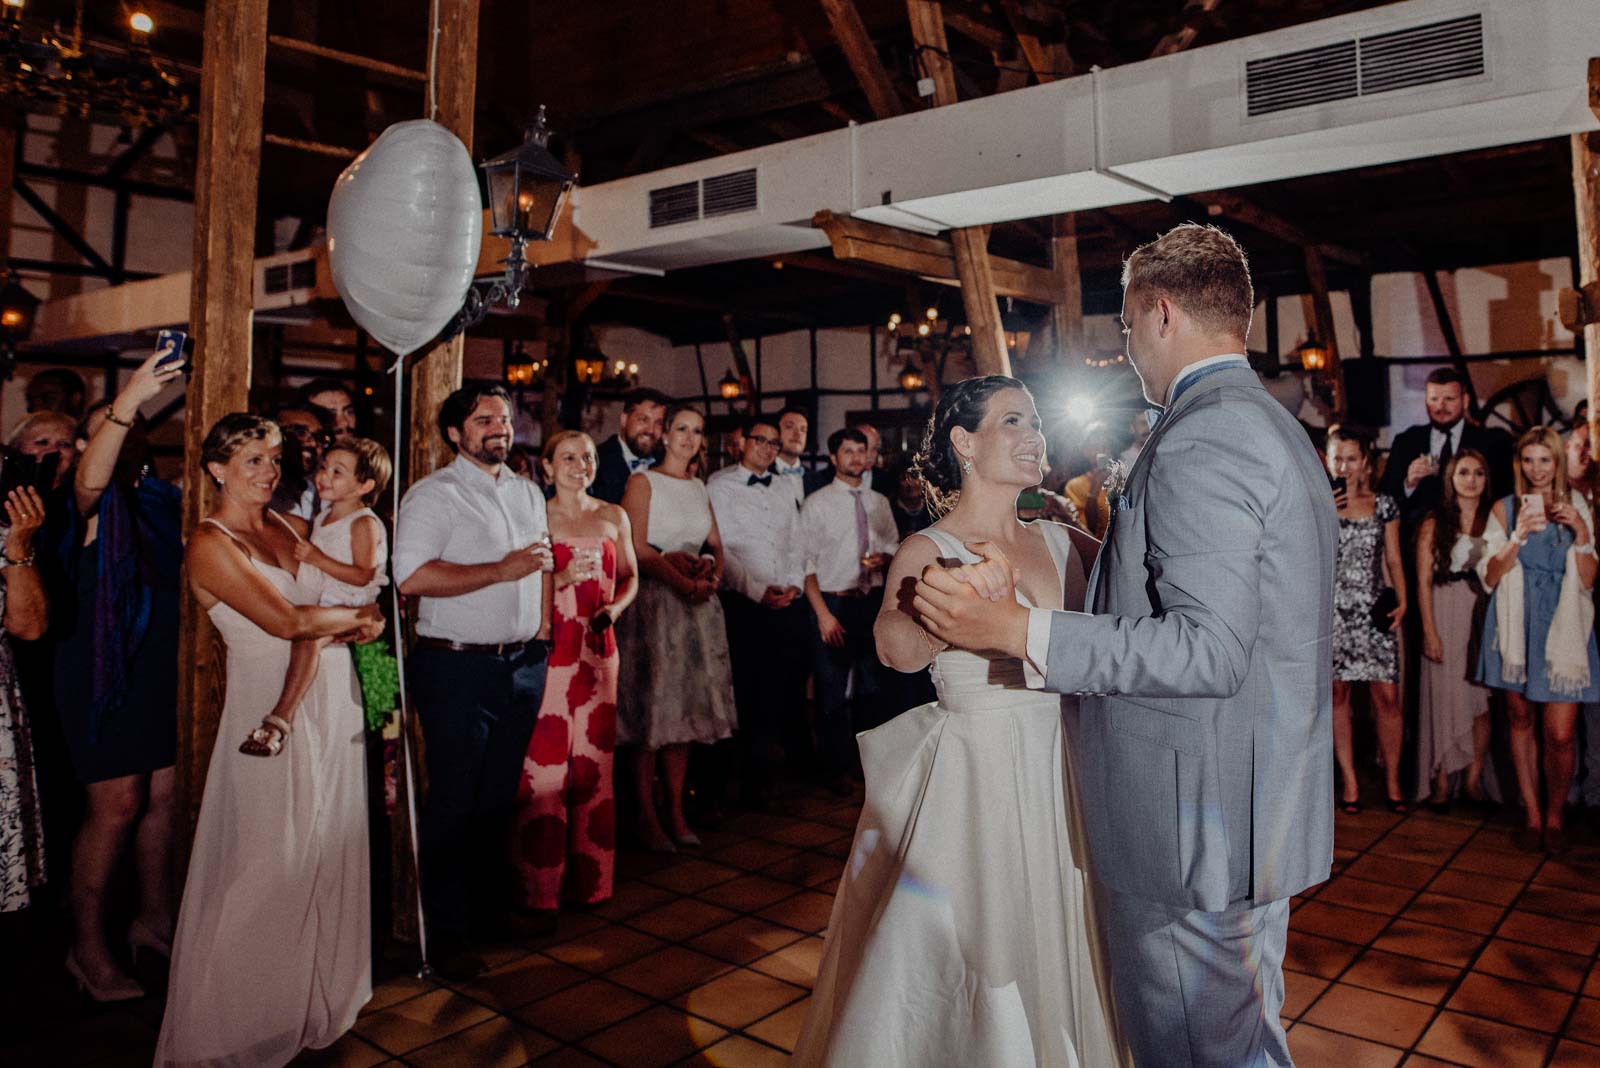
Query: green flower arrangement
[{"x": 379, "y": 674}]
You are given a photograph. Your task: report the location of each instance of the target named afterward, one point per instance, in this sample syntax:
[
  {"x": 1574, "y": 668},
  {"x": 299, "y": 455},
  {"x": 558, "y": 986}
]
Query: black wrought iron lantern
[
  {"x": 911, "y": 378},
  {"x": 528, "y": 187},
  {"x": 730, "y": 387}
]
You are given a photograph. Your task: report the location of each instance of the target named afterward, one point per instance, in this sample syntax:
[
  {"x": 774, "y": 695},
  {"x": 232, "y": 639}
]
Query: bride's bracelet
[{"x": 933, "y": 650}]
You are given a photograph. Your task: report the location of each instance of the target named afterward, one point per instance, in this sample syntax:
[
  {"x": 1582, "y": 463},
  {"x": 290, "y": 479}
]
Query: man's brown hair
[{"x": 1202, "y": 269}]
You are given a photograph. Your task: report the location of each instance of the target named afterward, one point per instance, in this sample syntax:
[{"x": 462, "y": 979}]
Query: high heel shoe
[
  {"x": 687, "y": 840},
  {"x": 657, "y": 841},
  {"x": 140, "y": 936},
  {"x": 119, "y": 989}
]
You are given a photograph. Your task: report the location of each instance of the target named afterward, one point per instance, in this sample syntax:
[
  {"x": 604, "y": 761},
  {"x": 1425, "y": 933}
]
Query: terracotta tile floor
[{"x": 1434, "y": 943}]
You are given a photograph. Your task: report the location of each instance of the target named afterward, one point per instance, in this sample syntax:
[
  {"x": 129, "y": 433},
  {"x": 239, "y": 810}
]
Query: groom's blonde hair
[{"x": 1202, "y": 269}]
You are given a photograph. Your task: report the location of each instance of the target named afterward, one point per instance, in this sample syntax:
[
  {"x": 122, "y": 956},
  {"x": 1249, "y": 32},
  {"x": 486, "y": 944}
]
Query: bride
[{"x": 962, "y": 932}]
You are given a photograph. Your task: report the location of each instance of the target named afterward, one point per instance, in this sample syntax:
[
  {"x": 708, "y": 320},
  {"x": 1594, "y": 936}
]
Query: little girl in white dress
[{"x": 345, "y": 558}]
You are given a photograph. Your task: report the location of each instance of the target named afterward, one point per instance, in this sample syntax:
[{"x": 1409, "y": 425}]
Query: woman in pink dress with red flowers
[{"x": 564, "y": 843}]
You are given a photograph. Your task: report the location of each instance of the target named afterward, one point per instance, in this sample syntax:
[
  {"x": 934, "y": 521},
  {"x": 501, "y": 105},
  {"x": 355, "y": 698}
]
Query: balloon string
[{"x": 433, "y": 66}]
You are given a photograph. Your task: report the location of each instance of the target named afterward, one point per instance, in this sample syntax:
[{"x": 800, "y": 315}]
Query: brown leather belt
[{"x": 491, "y": 649}]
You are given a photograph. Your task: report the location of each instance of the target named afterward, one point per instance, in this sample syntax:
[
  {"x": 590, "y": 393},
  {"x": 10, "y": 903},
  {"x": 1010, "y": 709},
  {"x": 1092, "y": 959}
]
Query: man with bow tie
[
  {"x": 769, "y": 622},
  {"x": 633, "y": 448}
]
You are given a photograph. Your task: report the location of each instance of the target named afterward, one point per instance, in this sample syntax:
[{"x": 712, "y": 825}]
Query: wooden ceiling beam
[
  {"x": 1237, "y": 208},
  {"x": 716, "y": 143},
  {"x": 933, "y": 258},
  {"x": 1048, "y": 61},
  {"x": 862, "y": 55},
  {"x": 1194, "y": 17}
]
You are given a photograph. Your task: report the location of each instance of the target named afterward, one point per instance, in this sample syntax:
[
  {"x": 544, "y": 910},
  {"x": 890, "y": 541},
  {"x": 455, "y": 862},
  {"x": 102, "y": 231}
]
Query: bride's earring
[{"x": 966, "y": 467}]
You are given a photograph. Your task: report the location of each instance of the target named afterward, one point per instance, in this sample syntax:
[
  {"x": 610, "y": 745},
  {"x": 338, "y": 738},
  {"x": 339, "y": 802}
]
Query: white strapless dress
[{"x": 963, "y": 932}]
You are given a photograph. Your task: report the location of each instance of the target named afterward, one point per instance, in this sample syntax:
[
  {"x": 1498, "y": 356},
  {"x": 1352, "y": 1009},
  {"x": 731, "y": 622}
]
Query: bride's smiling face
[{"x": 1008, "y": 446}]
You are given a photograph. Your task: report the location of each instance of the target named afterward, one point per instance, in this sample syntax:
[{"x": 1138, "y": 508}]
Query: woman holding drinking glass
[
  {"x": 1538, "y": 636},
  {"x": 565, "y": 820}
]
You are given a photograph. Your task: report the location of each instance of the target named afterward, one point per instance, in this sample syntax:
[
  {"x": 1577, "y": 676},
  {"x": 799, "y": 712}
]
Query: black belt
[
  {"x": 1455, "y": 576},
  {"x": 490, "y": 649},
  {"x": 850, "y": 593}
]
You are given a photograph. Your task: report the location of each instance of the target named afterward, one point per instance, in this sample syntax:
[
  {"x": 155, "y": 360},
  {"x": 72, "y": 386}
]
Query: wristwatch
[{"x": 1586, "y": 549}]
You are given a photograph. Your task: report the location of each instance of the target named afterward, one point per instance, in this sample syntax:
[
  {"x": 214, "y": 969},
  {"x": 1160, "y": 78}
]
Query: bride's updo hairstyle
[
  {"x": 961, "y": 405},
  {"x": 230, "y": 434}
]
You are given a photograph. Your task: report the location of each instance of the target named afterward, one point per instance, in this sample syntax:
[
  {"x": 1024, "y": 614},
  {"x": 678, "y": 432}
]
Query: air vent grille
[
  {"x": 728, "y": 194},
  {"x": 674, "y": 204},
  {"x": 1299, "y": 79},
  {"x": 723, "y": 194},
  {"x": 1378, "y": 63},
  {"x": 1422, "y": 55}
]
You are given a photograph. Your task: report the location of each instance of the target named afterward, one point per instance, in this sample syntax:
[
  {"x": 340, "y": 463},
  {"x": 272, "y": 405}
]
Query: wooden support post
[
  {"x": 222, "y": 297},
  {"x": 8, "y": 175},
  {"x": 437, "y": 374},
  {"x": 1322, "y": 308},
  {"x": 970, "y": 244},
  {"x": 1066, "y": 314},
  {"x": 1586, "y": 189},
  {"x": 1447, "y": 329}
]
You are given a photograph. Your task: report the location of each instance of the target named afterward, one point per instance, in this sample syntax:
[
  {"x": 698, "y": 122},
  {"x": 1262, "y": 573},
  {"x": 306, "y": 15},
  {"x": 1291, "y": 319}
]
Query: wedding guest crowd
[{"x": 718, "y": 629}]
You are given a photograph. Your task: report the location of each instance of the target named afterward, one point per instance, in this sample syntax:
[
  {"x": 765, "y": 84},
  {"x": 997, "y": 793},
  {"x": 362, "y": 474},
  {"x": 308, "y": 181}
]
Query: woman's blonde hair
[
  {"x": 1547, "y": 437},
  {"x": 230, "y": 434},
  {"x": 30, "y": 423}
]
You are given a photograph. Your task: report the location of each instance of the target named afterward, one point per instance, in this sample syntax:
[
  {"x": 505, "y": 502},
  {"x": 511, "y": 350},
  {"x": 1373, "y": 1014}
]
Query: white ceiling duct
[{"x": 1404, "y": 81}]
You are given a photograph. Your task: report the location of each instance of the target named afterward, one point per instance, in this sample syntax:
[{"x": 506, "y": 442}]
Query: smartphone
[
  {"x": 18, "y": 470},
  {"x": 174, "y": 346},
  {"x": 1533, "y": 504},
  {"x": 1339, "y": 484}
]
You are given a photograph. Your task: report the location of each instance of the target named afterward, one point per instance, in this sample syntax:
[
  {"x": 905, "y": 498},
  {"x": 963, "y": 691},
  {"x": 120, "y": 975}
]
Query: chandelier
[{"x": 69, "y": 75}]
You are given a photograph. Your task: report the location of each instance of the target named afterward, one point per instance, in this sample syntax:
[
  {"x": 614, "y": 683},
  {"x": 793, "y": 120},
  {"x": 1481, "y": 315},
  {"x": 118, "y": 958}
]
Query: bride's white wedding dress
[{"x": 963, "y": 933}]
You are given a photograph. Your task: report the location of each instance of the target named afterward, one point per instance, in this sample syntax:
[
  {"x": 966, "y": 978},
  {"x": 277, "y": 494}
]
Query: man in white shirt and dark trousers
[
  {"x": 849, "y": 535},
  {"x": 769, "y": 623},
  {"x": 471, "y": 543}
]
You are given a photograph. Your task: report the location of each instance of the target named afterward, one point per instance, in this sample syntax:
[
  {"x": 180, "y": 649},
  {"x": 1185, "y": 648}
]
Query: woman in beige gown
[{"x": 272, "y": 949}]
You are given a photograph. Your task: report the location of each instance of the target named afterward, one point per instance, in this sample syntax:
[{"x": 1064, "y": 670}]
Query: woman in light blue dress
[{"x": 1542, "y": 573}]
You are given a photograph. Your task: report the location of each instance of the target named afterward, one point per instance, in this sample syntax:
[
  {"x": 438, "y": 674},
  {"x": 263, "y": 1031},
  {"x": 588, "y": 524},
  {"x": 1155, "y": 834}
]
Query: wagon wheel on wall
[{"x": 1523, "y": 405}]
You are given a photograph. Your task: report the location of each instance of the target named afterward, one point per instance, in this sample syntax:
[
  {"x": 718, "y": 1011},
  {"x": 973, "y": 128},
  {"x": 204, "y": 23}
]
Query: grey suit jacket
[{"x": 1202, "y": 746}]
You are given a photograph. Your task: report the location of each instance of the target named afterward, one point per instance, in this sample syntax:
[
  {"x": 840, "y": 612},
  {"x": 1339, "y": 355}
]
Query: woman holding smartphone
[
  {"x": 1368, "y": 606},
  {"x": 1538, "y": 637}
]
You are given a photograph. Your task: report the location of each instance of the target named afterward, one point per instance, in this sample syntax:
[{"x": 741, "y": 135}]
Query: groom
[{"x": 1201, "y": 746}]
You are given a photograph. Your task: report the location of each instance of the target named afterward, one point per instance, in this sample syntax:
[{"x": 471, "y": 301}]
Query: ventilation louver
[
  {"x": 674, "y": 204},
  {"x": 1377, "y": 63},
  {"x": 723, "y": 194},
  {"x": 728, "y": 194}
]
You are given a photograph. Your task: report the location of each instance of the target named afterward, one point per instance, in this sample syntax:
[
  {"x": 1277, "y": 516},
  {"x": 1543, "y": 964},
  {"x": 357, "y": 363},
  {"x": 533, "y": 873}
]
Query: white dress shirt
[
  {"x": 760, "y": 530},
  {"x": 463, "y": 515},
  {"x": 828, "y": 534},
  {"x": 634, "y": 461}
]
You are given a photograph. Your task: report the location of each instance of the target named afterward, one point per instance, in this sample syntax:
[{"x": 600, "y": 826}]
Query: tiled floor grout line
[
  {"x": 1368, "y": 945},
  {"x": 1577, "y": 1001},
  {"x": 651, "y": 1001},
  {"x": 1468, "y": 968}
]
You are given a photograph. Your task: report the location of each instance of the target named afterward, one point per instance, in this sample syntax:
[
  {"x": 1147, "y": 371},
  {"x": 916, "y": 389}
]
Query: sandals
[
  {"x": 1399, "y": 807},
  {"x": 267, "y": 740},
  {"x": 1351, "y": 808}
]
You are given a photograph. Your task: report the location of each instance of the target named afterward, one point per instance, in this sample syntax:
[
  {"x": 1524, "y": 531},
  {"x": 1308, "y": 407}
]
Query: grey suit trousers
[{"x": 1198, "y": 989}]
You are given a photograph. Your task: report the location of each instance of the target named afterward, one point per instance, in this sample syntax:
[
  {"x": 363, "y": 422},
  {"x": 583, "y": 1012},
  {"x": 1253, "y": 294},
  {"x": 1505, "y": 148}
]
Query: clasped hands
[
  {"x": 973, "y": 606},
  {"x": 698, "y": 575}
]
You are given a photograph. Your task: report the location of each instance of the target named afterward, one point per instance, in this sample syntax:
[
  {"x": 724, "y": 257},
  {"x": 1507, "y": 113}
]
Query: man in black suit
[
  {"x": 633, "y": 448},
  {"x": 1419, "y": 453}
]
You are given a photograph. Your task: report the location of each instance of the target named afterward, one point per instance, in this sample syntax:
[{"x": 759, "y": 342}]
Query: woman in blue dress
[{"x": 1538, "y": 637}]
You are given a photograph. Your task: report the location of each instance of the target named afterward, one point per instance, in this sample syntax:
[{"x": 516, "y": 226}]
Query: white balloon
[{"x": 405, "y": 224}]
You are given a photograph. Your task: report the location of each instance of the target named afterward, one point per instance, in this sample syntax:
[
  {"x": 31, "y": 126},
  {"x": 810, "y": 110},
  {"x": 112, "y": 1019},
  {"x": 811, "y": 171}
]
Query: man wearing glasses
[{"x": 769, "y": 622}]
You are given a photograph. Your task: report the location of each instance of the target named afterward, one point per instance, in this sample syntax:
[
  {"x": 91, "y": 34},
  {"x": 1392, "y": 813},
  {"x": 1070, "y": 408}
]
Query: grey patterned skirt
[{"x": 674, "y": 679}]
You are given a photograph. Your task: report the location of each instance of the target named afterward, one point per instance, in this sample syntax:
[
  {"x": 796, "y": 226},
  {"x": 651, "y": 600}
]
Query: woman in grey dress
[
  {"x": 675, "y": 679},
  {"x": 1364, "y": 650},
  {"x": 1453, "y": 719}
]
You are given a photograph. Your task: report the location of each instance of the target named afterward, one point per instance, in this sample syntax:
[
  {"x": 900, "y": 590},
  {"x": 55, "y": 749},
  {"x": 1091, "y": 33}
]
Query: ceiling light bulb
[{"x": 141, "y": 23}]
